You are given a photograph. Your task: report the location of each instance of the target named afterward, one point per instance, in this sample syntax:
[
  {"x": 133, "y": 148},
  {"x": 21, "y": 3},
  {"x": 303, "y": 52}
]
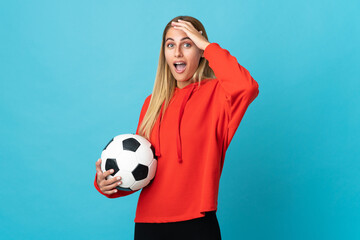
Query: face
[{"x": 182, "y": 56}]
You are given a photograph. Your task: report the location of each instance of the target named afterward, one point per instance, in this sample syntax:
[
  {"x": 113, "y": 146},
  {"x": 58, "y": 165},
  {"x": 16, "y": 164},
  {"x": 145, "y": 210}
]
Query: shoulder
[
  {"x": 146, "y": 103},
  {"x": 214, "y": 86},
  {"x": 147, "y": 99}
]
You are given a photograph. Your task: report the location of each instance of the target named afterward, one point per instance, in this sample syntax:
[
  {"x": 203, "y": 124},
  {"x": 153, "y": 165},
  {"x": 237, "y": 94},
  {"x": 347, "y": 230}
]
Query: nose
[{"x": 178, "y": 52}]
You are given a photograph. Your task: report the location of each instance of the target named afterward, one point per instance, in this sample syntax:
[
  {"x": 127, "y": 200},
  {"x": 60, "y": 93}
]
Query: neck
[{"x": 182, "y": 84}]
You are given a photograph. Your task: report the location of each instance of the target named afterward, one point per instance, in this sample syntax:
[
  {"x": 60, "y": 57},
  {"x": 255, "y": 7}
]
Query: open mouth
[{"x": 180, "y": 67}]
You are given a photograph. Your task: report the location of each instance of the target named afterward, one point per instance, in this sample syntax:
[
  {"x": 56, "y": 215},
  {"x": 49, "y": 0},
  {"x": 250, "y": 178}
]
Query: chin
[{"x": 179, "y": 78}]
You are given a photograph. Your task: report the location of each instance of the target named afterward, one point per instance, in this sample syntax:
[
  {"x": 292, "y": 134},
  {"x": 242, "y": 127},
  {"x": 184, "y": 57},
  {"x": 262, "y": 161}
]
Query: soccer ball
[{"x": 132, "y": 158}]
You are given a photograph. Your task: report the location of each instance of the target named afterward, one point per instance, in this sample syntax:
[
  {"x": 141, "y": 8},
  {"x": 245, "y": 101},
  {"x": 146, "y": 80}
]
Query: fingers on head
[
  {"x": 183, "y": 21},
  {"x": 186, "y": 23}
]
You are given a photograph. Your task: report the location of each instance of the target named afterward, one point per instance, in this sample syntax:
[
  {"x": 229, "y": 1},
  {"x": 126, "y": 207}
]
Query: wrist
[{"x": 205, "y": 45}]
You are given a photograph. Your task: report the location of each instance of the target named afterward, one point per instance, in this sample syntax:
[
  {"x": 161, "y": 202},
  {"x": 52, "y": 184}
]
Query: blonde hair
[{"x": 165, "y": 83}]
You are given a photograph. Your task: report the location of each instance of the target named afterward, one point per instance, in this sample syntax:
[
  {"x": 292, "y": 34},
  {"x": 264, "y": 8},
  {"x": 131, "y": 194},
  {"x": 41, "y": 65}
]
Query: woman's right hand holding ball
[{"x": 106, "y": 186}]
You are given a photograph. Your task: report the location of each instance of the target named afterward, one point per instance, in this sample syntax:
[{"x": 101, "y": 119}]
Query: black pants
[{"x": 206, "y": 227}]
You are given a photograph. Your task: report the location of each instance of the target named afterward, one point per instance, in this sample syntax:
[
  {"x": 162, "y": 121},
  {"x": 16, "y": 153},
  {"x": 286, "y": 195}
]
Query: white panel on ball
[
  {"x": 152, "y": 169},
  {"x": 127, "y": 161},
  {"x": 139, "y": 184},
  {"x": 127, "y": 179},
  {"x": 145, "y": 156}
]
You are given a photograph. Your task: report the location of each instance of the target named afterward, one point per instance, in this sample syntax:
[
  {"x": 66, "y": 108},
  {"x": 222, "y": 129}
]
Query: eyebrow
[{"x": 180, "y": 40}]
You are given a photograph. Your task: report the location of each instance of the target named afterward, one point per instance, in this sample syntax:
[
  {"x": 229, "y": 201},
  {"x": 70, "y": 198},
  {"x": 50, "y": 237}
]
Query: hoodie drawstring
[
  {"x": 157, "y": 150},
  {"x": 181, "y": 112},
  {"x": 186, "y": 98}
]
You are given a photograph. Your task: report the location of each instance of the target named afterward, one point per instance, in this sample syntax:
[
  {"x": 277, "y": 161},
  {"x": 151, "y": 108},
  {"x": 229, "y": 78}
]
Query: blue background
[{"x": 75, "y": 73}]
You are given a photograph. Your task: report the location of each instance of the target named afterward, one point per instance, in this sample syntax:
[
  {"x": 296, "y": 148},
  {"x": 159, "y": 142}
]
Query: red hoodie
[{"x": 191, "y": 141}]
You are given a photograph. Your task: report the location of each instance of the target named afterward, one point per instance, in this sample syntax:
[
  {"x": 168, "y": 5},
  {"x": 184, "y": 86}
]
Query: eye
[
  {"x": 189, "y": 45},
  {"x": 169, "y": 45}
]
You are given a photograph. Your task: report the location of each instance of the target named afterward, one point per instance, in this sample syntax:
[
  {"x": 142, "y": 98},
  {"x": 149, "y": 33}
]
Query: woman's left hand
[{"x": 195, "y": 35}]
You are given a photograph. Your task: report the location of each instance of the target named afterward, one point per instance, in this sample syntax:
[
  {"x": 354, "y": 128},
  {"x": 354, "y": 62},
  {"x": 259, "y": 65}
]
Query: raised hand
[
  {"x": 195, "y": 35},
  {"x": 106, "y": 186}
]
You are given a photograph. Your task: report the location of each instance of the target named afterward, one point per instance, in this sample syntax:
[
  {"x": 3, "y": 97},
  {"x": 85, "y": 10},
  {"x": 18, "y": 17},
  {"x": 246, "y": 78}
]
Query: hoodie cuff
[{"x": 210, "y": 49}]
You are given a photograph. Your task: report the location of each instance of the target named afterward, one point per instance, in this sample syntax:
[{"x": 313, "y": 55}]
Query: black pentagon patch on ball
[
  {"x": 108, "y": 144},
  {"x": 111, "y": 164},
  {"x": 140, "y": 172},
  {"x": 131, "y": 144}
]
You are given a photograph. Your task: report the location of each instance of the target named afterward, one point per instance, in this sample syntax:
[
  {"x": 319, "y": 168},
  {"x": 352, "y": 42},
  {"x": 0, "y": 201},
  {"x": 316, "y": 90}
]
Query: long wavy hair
[{"x": 165, "y": 82}]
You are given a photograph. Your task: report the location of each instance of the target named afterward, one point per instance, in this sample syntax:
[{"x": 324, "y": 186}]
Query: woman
[{"x": 199, "y": 97}]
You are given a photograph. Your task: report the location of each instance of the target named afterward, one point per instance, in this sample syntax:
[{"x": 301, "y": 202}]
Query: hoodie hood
[{"x": 188, "y": 90}]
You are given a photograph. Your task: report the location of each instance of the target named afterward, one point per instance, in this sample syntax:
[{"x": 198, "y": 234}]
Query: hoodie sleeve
[
  {"x": 239, "y": 86},
  {"x": 120, "y": 193}
]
